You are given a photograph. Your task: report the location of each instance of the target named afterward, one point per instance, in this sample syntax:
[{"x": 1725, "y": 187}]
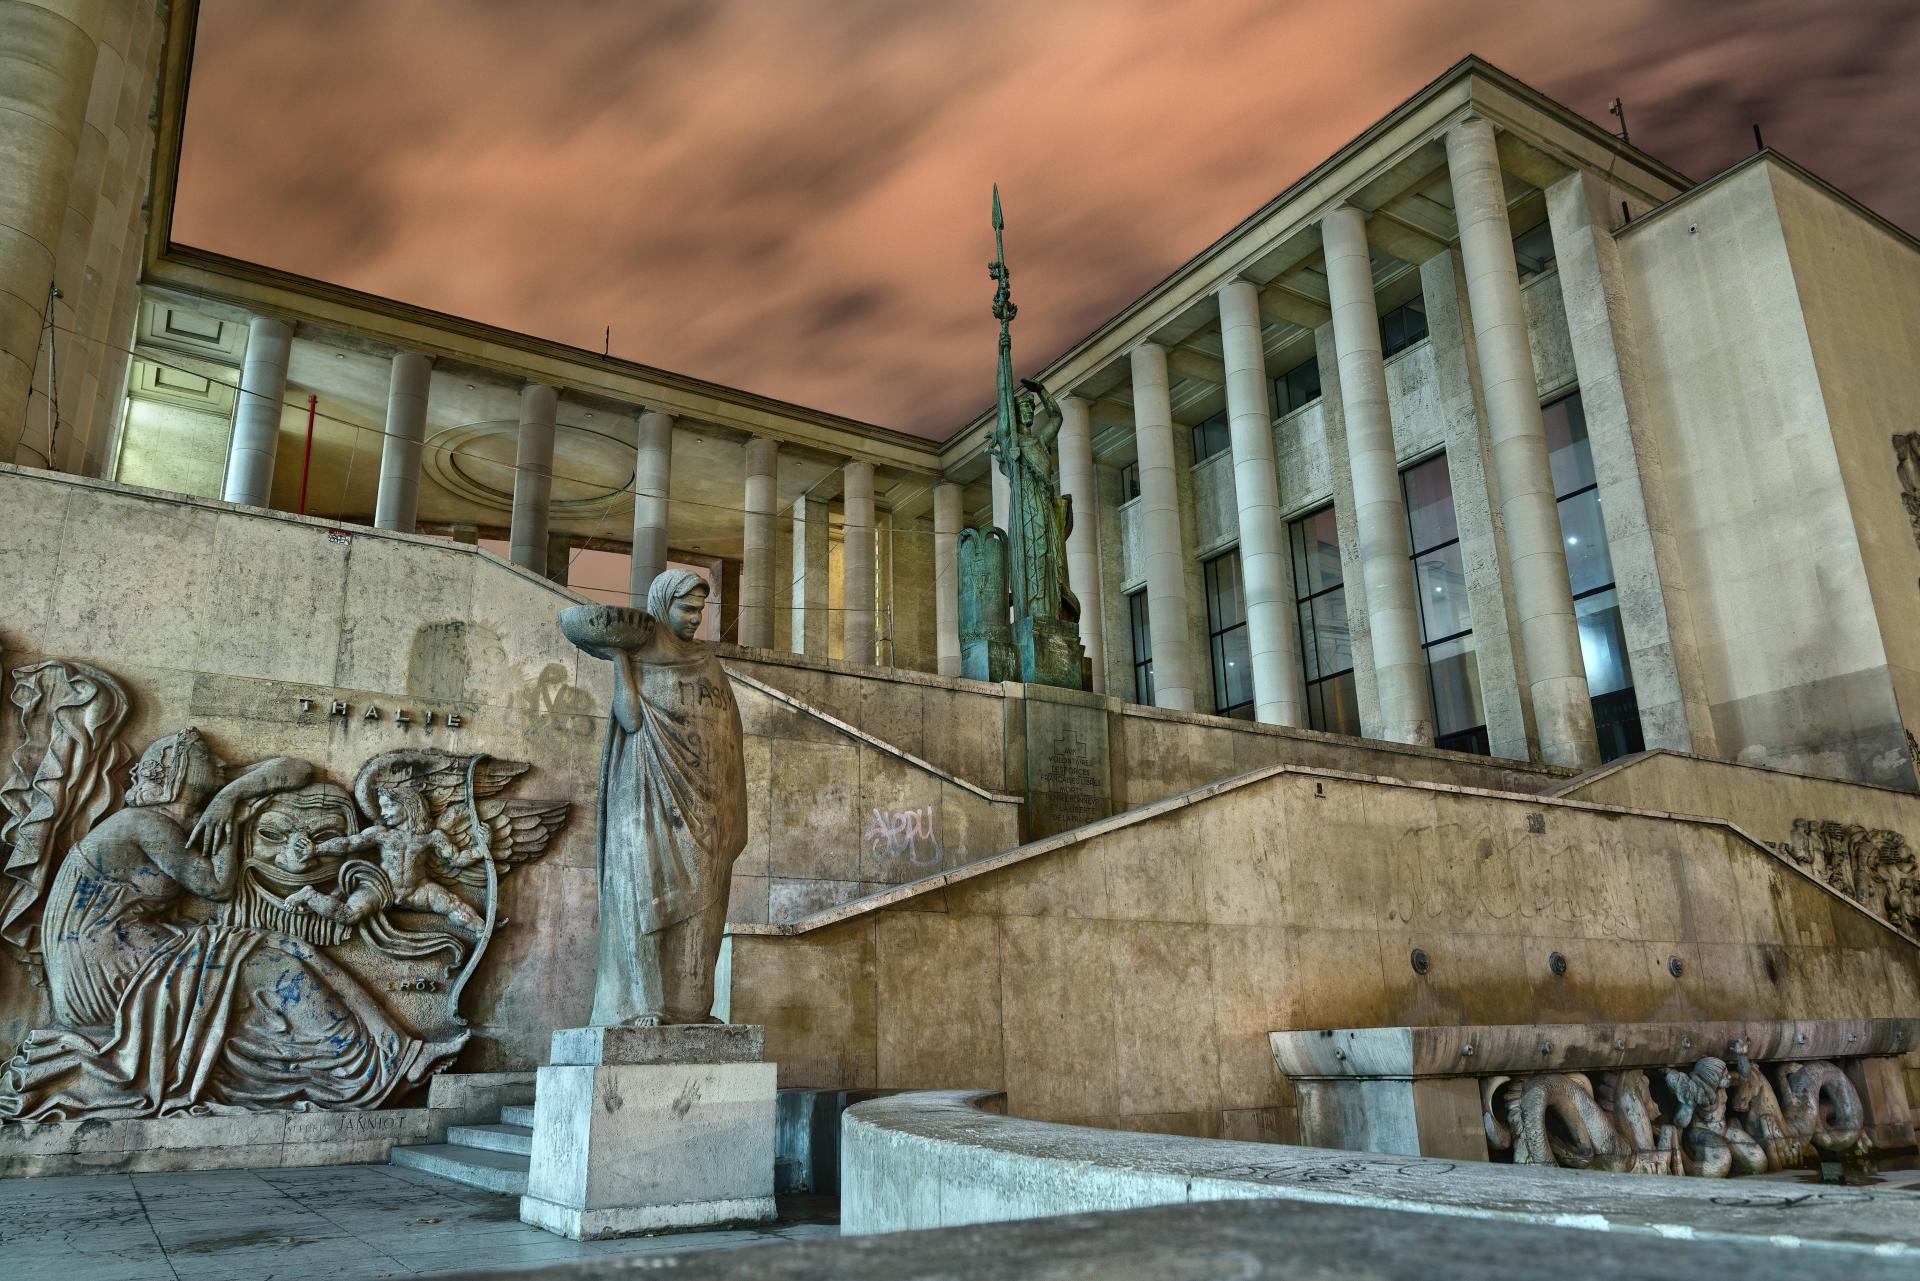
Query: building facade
[{"x": 1491, "y": 433}]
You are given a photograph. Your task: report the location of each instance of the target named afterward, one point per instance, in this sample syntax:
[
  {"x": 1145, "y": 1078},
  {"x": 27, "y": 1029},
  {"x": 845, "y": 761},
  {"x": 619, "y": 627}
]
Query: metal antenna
[{"x": 1619, "y": 112}]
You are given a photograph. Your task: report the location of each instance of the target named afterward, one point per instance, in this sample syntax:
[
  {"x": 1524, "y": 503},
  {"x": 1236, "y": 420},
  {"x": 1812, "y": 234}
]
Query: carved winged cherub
[{"x": 434, "y": 820}]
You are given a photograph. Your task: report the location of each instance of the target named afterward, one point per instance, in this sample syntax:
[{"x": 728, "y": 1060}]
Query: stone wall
[
  {"x": 1751, "y": 457},
  {"x": 1293, "y": 899},
  {"x": 225, "y": 618}
]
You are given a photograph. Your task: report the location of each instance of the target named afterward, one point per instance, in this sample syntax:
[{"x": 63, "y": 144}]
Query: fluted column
[
  {"x": 1083, "y": 554},
  {"x": 533, "y": 477},
  {"x": 47, "y": 57},
  {"x": 1164, "y": 550},
  {"x": 399, "y": 496},
  {"x": 857, "y": 586},
  {"x": 756, "y": 554},
  {"x": 256, "y": 418},
  {"x": 1266, "y": 562},
  {"x": 810, "y": 594},
  {"x": 947, "y": 520},
  {"x": 1379, "y": 506},
  {"x": 652, "y": 476},
  {"x": 1543, "y": 599}
]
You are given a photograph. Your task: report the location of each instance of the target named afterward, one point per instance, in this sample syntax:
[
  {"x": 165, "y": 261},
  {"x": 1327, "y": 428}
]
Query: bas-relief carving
[
  {"x": 1875, "y": 867},
  {"x": 672, "y": 814},
  {"x": 1719, "y": 1117},
  {"x": 1906, "y": 467},
  {"x": 212, "y": 945}
]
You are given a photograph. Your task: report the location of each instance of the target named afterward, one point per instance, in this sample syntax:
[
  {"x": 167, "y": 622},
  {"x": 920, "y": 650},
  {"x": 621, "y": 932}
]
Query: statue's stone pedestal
[
  {"x": 1049, "y": 652},
  {"x": 640, "y": 1129},
  {"x": 989, "y": 660}
]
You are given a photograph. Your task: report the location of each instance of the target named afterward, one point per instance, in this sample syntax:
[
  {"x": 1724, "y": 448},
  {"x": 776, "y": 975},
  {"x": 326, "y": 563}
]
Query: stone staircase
[{"x": 493, "y": 1158}]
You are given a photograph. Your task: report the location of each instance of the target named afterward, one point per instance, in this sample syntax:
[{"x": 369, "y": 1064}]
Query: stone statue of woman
[{"x": 673, "y": 806}]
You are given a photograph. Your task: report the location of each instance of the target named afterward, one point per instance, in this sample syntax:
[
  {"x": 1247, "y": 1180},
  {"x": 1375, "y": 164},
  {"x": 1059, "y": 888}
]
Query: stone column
[
  {"x": 399, "y": 495},
  {"x": 947, "y": 520},
  {"x": 652, "y": 475},
  {"x": 1083, "y": 554},
  {"x": 1266, "y": 562},
  {"x": 810, "y": 577},
  {"x": 256, "y": 418},
  {"x": 1655, "y": 607},
  {"x": 857, "y": 589},
  {"x": 1556, "y": 674},
  {"x": 756, "y": 555},
  {"x": 1379, "y": 507},
  {"x": 533, "y": 477},
  {"x": 47, "y": 56},
  {"x": 1164, "y": 550}
]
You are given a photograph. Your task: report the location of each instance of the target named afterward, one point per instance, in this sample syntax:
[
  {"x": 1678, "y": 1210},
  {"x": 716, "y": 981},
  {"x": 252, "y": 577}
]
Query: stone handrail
[{"x": 938, "y": 1159}]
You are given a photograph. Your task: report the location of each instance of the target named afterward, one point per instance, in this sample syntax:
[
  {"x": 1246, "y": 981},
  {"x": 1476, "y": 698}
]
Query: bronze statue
[
  {"x": 673, "y": 806},
  {"x": 1046, "y": 615}
]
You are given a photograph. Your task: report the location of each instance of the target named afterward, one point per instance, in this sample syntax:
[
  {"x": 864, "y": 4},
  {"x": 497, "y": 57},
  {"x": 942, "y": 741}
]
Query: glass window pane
[
  {"x": 1309, "y": 651},
  {"x": 1533, "y": 250},
  {"x": 1416, "y": 322},
  {"x": 1316, "y": 565},
  {"x": 1588, "y": 565},
  {"x": 1456, "y": 686},
  {"x": 1226, "y": 606},
  {"x": 1333, "y": 644},
  {"x": 1440, "y": 578},
  {"x": 1430, "y": 504},
  {"x": 1340, "y": 700},
  {"x": 1603, "y": 644},
  {"x": 1232, "y": 669},
  {"x": 1568, "y": 452}
]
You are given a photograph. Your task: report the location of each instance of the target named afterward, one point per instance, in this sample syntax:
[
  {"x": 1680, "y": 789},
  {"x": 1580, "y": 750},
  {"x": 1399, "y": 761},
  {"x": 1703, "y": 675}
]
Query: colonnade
[{"x": 1555, "y": 674}]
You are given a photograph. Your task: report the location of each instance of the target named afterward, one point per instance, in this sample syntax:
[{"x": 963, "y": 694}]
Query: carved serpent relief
[
  {"x": 214, "y": 944},
  {"x": 1875, "y": 867},
  {"x": 1720, "y": 1117}
]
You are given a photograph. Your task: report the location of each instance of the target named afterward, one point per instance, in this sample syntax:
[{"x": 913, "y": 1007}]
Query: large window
[
  {"x": 1325, "y": 647},
  {"x": 1533, "y": 251},
  {"x": 1446, "y": 618},
  {"x": 1227, "y": 637},
  {"x": 1402, "y": 327},
  {"x": 1142, "y": 647},
  {"x": 1298, "y": 387},
  {"x": 1129, "y": 482},
  {"x": 1596, "y": 600},
  {"x": 1211, "y": 437}
]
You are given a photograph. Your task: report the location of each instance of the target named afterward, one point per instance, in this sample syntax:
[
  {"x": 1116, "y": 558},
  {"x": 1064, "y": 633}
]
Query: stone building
[
  {"x": 1492, "y": 432},
  {"x": 1491, "y": 554}
]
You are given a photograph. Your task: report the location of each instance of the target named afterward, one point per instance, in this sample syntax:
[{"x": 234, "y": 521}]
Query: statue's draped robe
[
  {"x": 673, "y": 807},
  {"x": 162, "y": 1016}
]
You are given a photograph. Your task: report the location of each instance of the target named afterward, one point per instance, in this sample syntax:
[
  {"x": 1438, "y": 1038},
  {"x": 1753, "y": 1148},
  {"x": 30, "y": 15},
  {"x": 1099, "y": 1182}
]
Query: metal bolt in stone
[
  {"x": 1557, "y": 963},
  {"x": 1419, "y": 961},
  {"x": 1675, "y": 966}
]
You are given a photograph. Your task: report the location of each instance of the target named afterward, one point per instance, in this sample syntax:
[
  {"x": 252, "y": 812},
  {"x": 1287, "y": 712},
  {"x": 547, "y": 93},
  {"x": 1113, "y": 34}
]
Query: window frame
[
  {"x": 1475, "y": 738},
  {"x": 1140, "y": 637},
  {"x": 1210, "y": 570},
  {"x": 1309, "y": 641}
]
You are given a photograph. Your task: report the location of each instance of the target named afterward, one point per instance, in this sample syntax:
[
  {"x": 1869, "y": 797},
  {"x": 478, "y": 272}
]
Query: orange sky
[{"x": 791, "y": 196}]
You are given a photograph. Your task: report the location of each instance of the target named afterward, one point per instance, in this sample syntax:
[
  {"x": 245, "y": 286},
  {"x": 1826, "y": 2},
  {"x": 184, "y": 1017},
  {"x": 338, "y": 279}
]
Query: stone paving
[{"x": 337, "y": 1223}]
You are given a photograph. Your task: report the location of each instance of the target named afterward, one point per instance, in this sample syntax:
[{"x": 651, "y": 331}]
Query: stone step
[
  {"x": 517, "y": 1114},
  {"x": 476, "y": 1167},
  {"x": 504, "y": 1137}
]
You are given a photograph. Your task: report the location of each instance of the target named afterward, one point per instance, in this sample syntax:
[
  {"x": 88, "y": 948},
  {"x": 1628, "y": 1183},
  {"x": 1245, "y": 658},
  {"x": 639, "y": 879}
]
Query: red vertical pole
[{"x": 307, "y": 462}]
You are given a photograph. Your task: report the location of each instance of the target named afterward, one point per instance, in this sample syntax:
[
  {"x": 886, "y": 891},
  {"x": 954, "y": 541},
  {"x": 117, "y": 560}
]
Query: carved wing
[
  {"x": 441, "y": 775},
  {"x": 517, "y": 832}
]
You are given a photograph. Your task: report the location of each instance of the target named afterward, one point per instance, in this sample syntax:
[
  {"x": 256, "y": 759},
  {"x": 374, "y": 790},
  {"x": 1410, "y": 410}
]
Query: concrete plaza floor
[{"x": 336, "y": 1223}]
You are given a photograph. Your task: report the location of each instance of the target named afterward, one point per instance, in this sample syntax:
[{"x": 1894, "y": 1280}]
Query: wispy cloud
[{"x": 791, "y": 197}]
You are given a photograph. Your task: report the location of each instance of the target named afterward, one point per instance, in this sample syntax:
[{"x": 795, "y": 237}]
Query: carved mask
[{"x": 288, "y": 826}]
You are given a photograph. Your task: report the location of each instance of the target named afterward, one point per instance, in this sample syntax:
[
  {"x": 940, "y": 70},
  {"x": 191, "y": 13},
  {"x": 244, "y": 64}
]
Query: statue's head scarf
[{"x": 669, "y": 587}]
